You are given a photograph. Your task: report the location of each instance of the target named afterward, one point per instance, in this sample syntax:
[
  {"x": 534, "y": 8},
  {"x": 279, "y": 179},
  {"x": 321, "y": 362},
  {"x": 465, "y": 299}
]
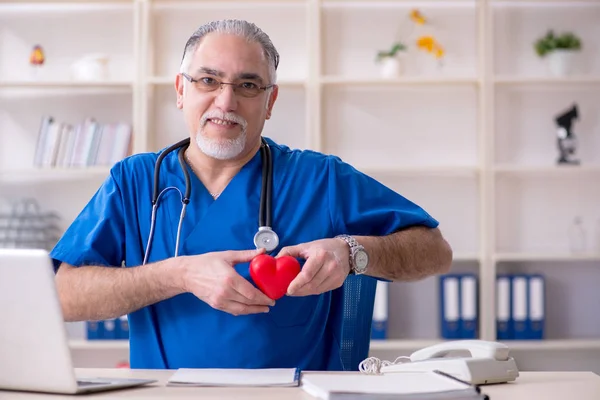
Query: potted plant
[
  {"x": 559, "y": 51},
  {"x": 391, "y": 64}
]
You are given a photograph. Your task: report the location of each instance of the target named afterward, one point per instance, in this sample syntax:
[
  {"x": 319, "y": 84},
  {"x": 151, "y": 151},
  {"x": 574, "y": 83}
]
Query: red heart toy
[{"x": 274, "y": 275}]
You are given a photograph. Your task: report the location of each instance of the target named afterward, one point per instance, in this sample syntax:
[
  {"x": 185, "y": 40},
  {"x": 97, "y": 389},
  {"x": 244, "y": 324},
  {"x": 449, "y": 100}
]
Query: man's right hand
[{"x": 212, "y": 278}]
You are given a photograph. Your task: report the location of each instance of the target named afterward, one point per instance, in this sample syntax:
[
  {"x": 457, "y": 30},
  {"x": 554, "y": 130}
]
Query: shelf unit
[
  {"x": 378, "y": 345},
  {"x": 36, "y": 175},
  {"x": 529, "y": 345},
  {"x": 464, "y": 147},
  {"x": 83, "y": 344}
]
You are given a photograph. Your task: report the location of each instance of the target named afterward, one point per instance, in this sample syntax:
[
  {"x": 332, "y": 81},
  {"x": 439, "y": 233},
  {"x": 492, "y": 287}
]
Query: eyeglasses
[{"x": 209, "y": 84}]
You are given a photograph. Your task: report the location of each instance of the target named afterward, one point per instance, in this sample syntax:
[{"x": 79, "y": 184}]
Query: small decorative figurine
[
  {"x": 37, "y": 56},
  {"x": 566, "y": 139},
  {"x": 36, "y": 60}
]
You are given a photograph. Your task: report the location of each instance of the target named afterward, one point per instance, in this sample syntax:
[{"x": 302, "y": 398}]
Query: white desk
[{"x": 529, "y": 386}]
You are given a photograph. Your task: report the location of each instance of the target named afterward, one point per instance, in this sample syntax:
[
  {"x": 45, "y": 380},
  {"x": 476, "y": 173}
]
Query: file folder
[
  {"x": 536, "y": 307},
  {"x": 380, "y": 311},
  {"x": 468, "y": 306},
  {"x": 450, "y": 306},
  {"x": 95, "y": 330},
  {"x": 110, "y": 328},
  {"x": 520, "y": 307},
  {"x": 122, "y": 328},
  {"x": 503, "y": 305}
]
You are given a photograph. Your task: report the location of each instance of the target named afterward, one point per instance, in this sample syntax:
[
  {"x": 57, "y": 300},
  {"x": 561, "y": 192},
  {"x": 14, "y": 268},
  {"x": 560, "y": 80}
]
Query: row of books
[
  {"x": 520, "y": 307},
  {"x": 108, "y": 329},
  {"x": 86, "y": 144}
]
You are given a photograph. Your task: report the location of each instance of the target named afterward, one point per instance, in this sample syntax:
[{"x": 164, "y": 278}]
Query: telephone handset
[
  {"x": 477, "y": 348},
  {"x": 489, "y": 362}
]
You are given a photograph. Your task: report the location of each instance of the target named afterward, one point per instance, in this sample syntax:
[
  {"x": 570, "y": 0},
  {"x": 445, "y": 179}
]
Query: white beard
[{"x": 221, "y": 148}]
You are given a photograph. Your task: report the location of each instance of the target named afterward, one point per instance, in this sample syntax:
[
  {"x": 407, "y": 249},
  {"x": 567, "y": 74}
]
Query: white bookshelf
[
  {"x": 334, "y": 80},
  {"x": 547, "y": 170},
  {"x": 546, "y": 257},
  {"x": 426, "y": 170},
  {"x": 473, "y": 142},
  {"x": 38, "y": 175},
  {"x": 83, "y": 344},
  {"x": 518, "y": 345},
  {"x": 530, "y": 80},
  {"x": 15, "y": 84}
]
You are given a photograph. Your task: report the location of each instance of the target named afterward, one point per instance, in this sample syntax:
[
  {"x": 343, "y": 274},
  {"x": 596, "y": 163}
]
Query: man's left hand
[{"x": 327, "y": 266}]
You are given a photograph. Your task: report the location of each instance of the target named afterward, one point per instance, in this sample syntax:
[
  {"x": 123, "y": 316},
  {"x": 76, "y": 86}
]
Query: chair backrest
[{"x": 358, "y": 298}]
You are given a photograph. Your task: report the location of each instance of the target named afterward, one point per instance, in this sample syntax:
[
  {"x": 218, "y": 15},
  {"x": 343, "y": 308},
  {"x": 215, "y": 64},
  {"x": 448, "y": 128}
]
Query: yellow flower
[
  {"x": 430, "y": 45},
  {"x": 417, "y": 17},
  {"x": 425, "y": 43}
]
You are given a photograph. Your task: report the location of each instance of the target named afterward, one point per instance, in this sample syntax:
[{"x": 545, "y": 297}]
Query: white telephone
[{"x": 489, "y": 362}]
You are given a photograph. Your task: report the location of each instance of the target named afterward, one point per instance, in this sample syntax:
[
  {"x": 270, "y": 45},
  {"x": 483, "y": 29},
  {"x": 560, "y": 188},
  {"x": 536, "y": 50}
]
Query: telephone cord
[{"x": 372, "y": 365}]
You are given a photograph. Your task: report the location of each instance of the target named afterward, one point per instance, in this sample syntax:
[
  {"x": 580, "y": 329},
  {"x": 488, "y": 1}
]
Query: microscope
[{"x": 567, "y": 142}]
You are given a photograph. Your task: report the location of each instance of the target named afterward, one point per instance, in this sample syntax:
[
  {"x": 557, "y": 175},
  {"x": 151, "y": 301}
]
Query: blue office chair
[{"x": 358, "y": 297}]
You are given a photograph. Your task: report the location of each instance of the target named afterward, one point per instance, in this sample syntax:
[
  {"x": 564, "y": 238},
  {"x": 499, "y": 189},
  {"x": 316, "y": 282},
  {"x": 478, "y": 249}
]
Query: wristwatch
[{"x": 359, "y": 259}]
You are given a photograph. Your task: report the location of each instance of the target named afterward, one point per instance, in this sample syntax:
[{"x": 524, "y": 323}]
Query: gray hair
[{"x": 245, "y": 29}]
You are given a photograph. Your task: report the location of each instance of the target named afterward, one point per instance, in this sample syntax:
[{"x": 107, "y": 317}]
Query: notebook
[
  {"x": 280, "y": 377},
  {"x": 404, "y": 385}
]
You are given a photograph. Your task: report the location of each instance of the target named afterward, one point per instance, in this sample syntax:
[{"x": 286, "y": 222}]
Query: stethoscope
[{"x": 265, "y": 237}]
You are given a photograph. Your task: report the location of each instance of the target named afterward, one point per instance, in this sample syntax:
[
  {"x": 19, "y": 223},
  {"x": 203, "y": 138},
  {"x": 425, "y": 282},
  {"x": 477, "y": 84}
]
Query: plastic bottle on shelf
[{"x": 577, "y": 236}]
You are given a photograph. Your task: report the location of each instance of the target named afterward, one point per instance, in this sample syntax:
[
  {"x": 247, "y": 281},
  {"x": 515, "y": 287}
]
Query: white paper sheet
[{"x": 235, "y": 377}]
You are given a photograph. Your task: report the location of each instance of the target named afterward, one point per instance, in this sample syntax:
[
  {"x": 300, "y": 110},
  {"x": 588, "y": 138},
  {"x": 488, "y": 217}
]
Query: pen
[{"x": 477, "y": 389}]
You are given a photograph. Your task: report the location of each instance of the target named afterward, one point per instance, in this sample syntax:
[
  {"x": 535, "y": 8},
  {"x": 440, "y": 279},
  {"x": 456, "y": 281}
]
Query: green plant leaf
[
  {"x": 551, "y": 42},
  {"x": 393, "y": 51}
]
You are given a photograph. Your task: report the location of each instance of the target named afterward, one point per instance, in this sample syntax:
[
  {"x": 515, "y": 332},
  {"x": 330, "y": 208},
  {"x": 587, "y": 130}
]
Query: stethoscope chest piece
[{"x": 266, "y": 238}]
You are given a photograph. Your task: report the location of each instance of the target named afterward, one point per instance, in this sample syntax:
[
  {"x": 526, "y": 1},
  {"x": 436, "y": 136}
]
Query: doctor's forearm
[
  {"x": 407, "y": 255},
  {"x": 96, "y": 293}
]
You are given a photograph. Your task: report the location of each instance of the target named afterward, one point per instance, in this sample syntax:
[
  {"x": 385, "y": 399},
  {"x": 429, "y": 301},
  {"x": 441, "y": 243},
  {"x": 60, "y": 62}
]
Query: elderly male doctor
[{"x": 201, "y": 308}]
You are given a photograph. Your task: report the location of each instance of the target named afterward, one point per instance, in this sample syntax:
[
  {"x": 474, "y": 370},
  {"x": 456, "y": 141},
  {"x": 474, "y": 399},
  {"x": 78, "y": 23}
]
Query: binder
[
  {"x": 520, "y": 307},
  {"x": 380, "y": 311},
  {"x": 122, "y": 328},
  {"x": 536, "y": 307},
  {"x": 468, "y": 306},
  {"x": 95, "y": 330},
  {"x": 110, "y": 328},
  {"x": 450, "y": 306},
  {"x": 503, "y": 308}
]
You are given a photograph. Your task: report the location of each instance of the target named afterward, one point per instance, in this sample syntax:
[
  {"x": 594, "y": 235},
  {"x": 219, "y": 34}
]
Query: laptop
[{"x": 34, "y": 350}]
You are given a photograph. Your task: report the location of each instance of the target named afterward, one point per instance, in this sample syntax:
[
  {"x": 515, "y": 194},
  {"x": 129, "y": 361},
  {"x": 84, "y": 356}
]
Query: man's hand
[
  {"x": 212, "y": 278},
  {"x": 326, "y": 268}
]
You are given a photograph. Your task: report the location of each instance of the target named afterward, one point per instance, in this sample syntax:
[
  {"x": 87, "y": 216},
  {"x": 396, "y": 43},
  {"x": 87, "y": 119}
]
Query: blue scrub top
[{"x": 315, "y": 196}]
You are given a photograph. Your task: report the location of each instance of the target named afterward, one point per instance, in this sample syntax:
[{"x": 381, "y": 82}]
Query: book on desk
[{"x": 407, "y": 385}]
